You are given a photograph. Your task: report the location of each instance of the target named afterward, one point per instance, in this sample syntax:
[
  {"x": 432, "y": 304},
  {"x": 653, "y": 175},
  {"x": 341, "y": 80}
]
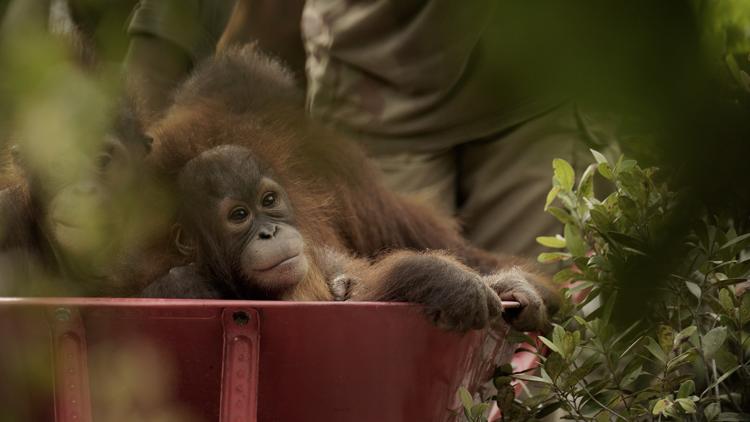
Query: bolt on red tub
[{"x": 85, "y": 360}]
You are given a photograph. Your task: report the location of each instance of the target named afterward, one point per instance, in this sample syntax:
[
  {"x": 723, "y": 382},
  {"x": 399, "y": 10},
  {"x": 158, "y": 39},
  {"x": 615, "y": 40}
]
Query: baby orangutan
[{"x": 243, "y": 237}]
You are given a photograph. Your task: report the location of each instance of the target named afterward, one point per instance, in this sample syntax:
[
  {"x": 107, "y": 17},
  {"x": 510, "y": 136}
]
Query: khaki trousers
[{"x": 496, "y": 186}]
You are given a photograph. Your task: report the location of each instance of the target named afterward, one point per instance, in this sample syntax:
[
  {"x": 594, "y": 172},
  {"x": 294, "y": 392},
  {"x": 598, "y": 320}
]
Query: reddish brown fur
[
  {"x": 243, "y": 98},
  {"x": 26, "y": 237}
]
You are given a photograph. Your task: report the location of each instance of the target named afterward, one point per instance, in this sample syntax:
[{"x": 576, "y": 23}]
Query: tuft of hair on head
[{"x": 241, "y": 79}]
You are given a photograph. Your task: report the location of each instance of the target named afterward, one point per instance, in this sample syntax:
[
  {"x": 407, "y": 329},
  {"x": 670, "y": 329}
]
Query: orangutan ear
[{"x": 183, "y": 241}]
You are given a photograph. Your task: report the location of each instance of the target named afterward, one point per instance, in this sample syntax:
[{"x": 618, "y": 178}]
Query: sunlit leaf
[
  {"x": 548, "y": 257},
  {"x": 586, "y": 184},
  {"x": 564, "y": 176},
  {"x": 551, "y": 197},
  {"x": 551, "y": 241},
  {"x": 598, "y": 156}
]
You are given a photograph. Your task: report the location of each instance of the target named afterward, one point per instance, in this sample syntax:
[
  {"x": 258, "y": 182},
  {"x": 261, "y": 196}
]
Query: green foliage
[{"x": 687, "y": 358}]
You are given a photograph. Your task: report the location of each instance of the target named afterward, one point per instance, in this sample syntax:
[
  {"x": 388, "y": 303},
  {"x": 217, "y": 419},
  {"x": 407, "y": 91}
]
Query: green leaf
[
  {"x": 725, "y": 359},
  {"x": 745, "y": 309},
  {"x": 547, "y": 410},
  {"x": 685, "y": 334},
  {"x": 661, "y": 406},
  {"x": 711, "y": 412},
  {"x": 628, "y": 207},
  {"x": 598, "y": 156},
  {"x": 569, "y": 343},
  {"x": 554, "y": 365},
  {"x": 693, "y": 288},
  {"x": 626, "y": 165},
  {"x": 547, "y": 257},
  {"x": 602, "y": 417},
  {"x": 732, "y": 417},
  {"x": 632, "y": 345},
  {"x": 531, "y": 378},
  {"x": 687, "y": 388},
  {"x": 600, "y": 217},
  {"x": 564, "y": 176},
  {"x": 586, "y": 184},
  {"x": 549, "y": 344},
  {"x": 561, "y": 215},
  {"x": 735, "y": 241},
  {"x": 580, "y": 373},
  {"x": 729, "y": 282},
  {"x": 713, "y": 340},
  {"x": 558, "y": 333},
  {"x": 565, "y": 275},
  {"x": 687, "y": 405},
  {"x": 569, "y": 200},
  {"x": 551, "y": 197},
  {"x": 466, "y": 400},
  {"x": 608, "y": 307},
  {"x": 631, "y": 376},
  {"x": 681, "y": 360},
  {"x": 573, "y": 241},
  {"x": 478, "y": 410},
  {"x": 666, "y": 338},
  {"x": 606, "y": 171},
  {"x": 626, "y": 240},
  {"x": 721, "y": 379},
  {"x": 598, "y": 261},
  {"x": 551, "y": 241},
  {"x": 653, "y": 347},
  {"x": 725, "y": 298}
]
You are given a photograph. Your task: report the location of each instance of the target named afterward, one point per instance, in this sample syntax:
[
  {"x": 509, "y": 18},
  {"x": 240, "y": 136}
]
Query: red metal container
[{"x": 84, "y": 360}]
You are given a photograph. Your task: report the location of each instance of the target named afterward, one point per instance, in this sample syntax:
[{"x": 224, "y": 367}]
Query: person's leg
[
  {"x": 428, "y": 176},
  {"x": 504, "y": 180}
]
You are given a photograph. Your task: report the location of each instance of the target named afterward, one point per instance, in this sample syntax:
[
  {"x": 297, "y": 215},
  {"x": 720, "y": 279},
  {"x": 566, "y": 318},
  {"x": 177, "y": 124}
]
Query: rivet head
[
  {"x": 241, "y": 318},
  {"x": 62, "y": 314}
]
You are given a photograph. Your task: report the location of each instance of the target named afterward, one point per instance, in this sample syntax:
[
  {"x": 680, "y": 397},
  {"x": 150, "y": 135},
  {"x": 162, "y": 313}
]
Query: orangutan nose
[{"x": 268, "y": 231}]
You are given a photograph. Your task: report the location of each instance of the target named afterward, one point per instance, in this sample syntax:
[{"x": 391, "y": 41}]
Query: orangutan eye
[
  {"x": 269, "y": 199},
  {"x": 238, "y": 214},
  {"x": 103, "y": 160}
]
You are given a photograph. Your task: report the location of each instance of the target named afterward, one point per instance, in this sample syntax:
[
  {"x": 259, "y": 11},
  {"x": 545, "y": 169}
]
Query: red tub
[{"x": 164, "y": 360}]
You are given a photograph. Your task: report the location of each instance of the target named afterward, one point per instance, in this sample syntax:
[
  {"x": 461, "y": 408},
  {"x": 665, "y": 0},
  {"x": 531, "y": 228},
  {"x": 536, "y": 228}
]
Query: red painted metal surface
[
  {"x": 239, "y": 386},
  {"x": 72, "y": 399},
  {"x": 188, "y": 360}
]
